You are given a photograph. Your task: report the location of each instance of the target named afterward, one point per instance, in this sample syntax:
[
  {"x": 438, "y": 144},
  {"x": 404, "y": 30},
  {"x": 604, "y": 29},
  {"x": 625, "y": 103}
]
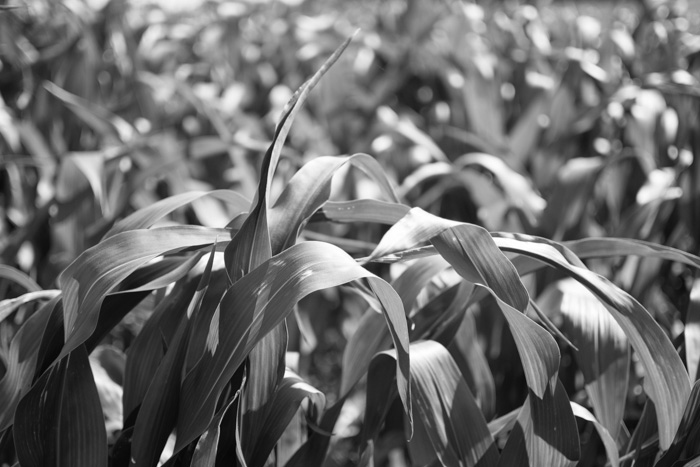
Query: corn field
[{"x": 300, "y": 233}]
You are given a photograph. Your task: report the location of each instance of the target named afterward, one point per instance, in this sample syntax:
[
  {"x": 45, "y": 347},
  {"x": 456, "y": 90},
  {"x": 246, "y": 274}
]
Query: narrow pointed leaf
[
  {"x": 474, "y": 255},
  {"x": 545, "y": 433},
  {"x": 692, "y": 332},
  {"x": 361, "y": 210},
  {"x": 21, "y": 362},
  {"x": 605, "y": 436},
  {"x": 603, "y": 351},
  {"x": 310, "y": 188},
  {"x": 261, "y": 300},
  {"x": 666, "y": 382},
  {"x": 100, "y": 269},
  {"x": 146, "y": 217},
  {"x": 59, "y": 422},
  {"x": 287, "y": 399}
]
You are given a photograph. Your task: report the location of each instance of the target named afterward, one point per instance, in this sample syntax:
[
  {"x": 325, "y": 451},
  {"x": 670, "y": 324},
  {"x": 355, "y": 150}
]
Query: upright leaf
[{"x": 59, "y": 421}]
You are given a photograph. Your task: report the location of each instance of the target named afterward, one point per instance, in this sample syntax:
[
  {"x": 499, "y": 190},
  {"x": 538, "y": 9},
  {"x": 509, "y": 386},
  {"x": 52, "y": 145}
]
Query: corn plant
[{"x": 515, "y": 335}]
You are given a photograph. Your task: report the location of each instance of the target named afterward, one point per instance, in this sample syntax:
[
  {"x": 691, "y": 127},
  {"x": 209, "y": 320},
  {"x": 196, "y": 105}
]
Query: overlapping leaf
[
  {"x": 452, "y": 420},
  {"x": 261, "y": 300},
  {"x": 100, "y": 269},
  {"x": 603, "y": 352},
  {"x": 59, "y": 421}
]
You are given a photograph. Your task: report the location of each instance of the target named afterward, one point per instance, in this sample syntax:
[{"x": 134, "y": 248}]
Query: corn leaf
[
  {"x": 605, "y": 436},
  {"x": 310, "y": 188},
  {"x": 21, "y": 362},
  {"x": 261, "y": 300},
  {"x": 686, "y": 444},
  {"x": 361, "y": 210},
  {"x": 371, "y": 336},
  {"x": 15, "y": 275},
  {"x": 474, "y": 255},
  {"x": 288, "y": 396},
  {"x": 146, "y": 217},
  {"x": 692, "y": 332},
  {"x": 100, "y": 269},
  {"x": 667, "y": 382},
  {"x": 603, "y": 351},
  {"x": 452, "y": 420},
  {"x": 545, "y": 432},
  {"x": 159, "y": 410},
  {"x": 59, "y": 421}
]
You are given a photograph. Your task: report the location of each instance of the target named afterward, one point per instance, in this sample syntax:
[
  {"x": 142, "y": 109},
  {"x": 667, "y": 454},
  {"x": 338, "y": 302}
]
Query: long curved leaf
[
  {"x": 603, "y": 351},
  {"x": 100, "y": 269},
  {"x": 21, "y": 361},
  {"x": 667, "y": 382},
  {"x": 59, "y": 422},
  {"x": 310, "y": 188},
  {"x": 146, "y": 217},
  {"x": 545, "y": 433},
  {"x": 257, "y": 303}
]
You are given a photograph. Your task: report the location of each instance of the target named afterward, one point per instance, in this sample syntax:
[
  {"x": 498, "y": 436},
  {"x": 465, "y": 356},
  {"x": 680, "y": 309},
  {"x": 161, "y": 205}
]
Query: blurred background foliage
[{"x": 554, "y": 118}]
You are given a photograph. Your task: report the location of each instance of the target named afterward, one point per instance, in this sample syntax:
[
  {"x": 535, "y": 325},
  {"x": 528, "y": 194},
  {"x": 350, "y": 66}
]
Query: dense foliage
[{"x": 470, "y": 237}]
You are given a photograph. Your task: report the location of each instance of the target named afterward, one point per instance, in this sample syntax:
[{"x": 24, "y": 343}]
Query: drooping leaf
[
  {"x": 605, "y": 436},
  {"x": 15, "y": 275},
  {"x": 9, "y": 305},
  {"x": 146, "y": 217},
  {"x": 453, "y": 421},
  {"x": 603, "y": 352},
  {"x": 692, "y": 332},
  {"x": 261, "y": 300},
  {"x": 545, "y": 432},
  {"x": 21, "y": 361},
  {"x": 474, "y": 255},
  {"x": 686, "y": 444},
  {"x": 59, "y": 421},
  {"x": 284, "y": 405},
  {"x": 100, "y": 269},
  {"x": 610, "y": 247},
  {"x": 371, "y": 335},
  {"x": 667, "y": 382},
  {"x": 310, "y": 188},
  {"x": 361, "y": 210}
]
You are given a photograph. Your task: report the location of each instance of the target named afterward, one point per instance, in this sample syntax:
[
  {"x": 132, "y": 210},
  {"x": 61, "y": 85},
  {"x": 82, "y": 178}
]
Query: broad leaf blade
[
  {"x": 59, "y": 421},
  {"x": 261, "y": 300},
  {"x": 545, "y": 433},
  {"x": 100, "y": 269},
  {"x": 603, "y": 351}
]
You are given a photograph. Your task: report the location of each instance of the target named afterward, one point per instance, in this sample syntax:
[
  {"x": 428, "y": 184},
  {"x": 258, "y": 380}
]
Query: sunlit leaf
[
  {"x": 605, "y": 436},
  {"x": 100, "y": 269},
  {"x": 603, "y": 352},
  {"x": 261, "y": 300},
  {"x": 146, "y": 217},
  {"x": 545, "y": 432}
]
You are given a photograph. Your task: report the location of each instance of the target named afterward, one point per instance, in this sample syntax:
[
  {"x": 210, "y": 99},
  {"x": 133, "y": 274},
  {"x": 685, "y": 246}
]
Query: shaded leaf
[{"x": 59, "y": 421}]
